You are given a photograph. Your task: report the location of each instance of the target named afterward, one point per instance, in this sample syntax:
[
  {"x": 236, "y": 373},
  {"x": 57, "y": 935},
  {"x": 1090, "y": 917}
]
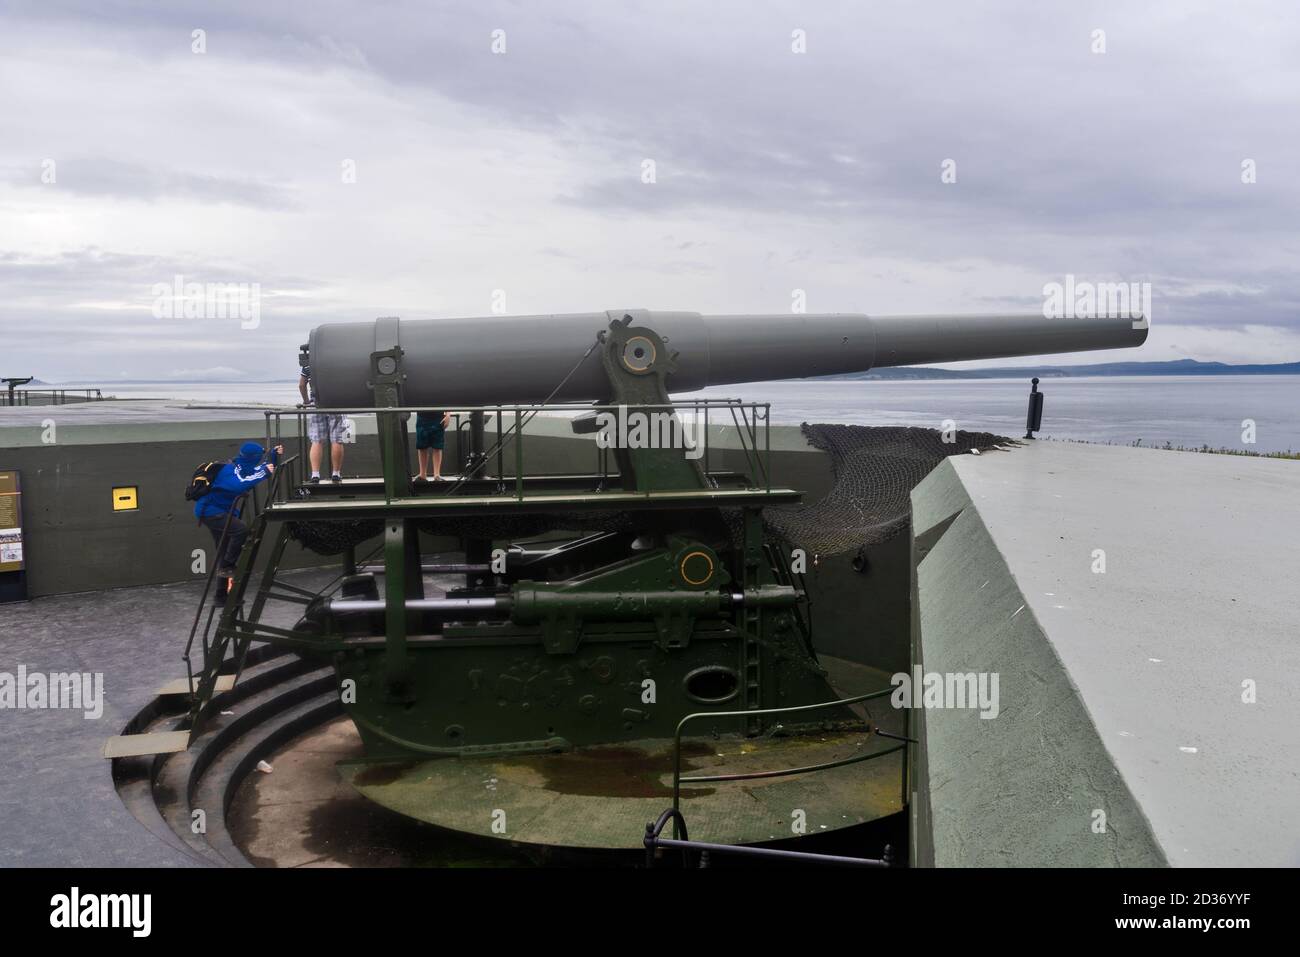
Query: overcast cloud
[{"x": 521, "y": 171}]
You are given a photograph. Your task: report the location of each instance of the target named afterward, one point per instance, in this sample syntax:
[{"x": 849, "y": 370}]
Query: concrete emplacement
[{"x": 1139, "y": 608}]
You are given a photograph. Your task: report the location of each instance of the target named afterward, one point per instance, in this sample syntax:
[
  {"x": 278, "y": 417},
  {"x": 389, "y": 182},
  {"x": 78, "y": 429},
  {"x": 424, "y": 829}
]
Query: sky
[{"x": 431, "y": 160}]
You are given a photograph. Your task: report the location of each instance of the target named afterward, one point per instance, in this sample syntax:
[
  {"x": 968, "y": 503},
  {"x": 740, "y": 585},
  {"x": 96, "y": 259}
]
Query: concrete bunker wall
[{"x": 1021, "y": 789}]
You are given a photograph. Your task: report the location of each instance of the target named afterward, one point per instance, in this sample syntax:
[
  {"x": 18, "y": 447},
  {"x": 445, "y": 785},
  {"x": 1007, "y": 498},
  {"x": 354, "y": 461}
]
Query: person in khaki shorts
[{"x": 322, "y": 429}]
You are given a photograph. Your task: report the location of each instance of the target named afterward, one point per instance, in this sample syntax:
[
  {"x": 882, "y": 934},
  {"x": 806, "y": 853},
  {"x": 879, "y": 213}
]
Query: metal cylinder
[
  {"x": 918, "y": 340},
  {"x": 446, "y": 608},
  {"x": 451, "y": 363}
]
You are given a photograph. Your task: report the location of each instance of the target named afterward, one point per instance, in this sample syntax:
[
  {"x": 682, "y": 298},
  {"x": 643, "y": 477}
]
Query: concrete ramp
[{"x": 1138, "y": 608}]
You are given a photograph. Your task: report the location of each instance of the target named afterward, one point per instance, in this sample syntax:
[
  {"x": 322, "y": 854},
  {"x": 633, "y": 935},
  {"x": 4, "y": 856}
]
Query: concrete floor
[
  {"x": 303, "y": 814},
  {"x": 58, "y": 806}
]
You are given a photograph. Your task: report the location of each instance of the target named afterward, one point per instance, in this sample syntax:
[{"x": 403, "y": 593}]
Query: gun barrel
[
  {"x": 522, "y": 359},
  {"x": 917, "y": 340}
]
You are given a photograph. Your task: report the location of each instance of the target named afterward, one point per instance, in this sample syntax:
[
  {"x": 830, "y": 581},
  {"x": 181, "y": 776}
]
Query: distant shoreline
[{"x": 1177, "y": 367}]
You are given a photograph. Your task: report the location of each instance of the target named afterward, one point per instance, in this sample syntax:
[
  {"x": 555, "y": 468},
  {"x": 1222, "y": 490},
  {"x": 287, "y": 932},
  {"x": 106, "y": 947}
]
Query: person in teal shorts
[{"x": 430, "y": 438}]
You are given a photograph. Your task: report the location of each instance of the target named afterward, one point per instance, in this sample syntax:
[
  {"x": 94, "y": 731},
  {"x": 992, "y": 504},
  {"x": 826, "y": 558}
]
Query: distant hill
[{"x": 1174, "y": 367}]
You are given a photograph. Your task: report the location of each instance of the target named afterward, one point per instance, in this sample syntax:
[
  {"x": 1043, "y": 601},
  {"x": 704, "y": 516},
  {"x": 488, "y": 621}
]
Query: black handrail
[
  {"x": 654, "y": 842},
  {"x": 235, "y": 506},
  {"x": 203, "y": 601}
]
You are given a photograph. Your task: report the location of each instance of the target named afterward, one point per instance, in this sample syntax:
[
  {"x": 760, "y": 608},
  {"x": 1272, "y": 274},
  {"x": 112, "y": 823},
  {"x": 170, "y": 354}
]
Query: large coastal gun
[
  {"x": 455, "y": 363},
  {"x": 523, "y": 359},
  {"x": 589, "y": 608}
]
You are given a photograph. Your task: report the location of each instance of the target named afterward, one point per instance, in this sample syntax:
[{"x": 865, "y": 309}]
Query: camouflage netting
[
  {"x": 874, "y": 470},
  {"x": 334, "y": 537}
]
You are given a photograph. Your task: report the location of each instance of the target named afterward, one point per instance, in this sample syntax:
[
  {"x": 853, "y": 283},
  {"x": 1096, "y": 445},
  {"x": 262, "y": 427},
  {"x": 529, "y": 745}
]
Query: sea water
[{"x": 1191, "y": 411}]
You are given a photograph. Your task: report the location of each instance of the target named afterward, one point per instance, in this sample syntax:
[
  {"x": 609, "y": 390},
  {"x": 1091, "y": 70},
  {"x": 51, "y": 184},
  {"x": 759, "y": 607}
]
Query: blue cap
[{"x": 251, "y": 452}]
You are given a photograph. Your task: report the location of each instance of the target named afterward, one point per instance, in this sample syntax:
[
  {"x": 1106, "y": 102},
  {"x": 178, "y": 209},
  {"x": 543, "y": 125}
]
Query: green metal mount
[
  {"x": 638, "y": 361},
  {"x": 671, "y": 586},
  {"x": 403, "y": 579},
  {"x": 686, "y": 607}
]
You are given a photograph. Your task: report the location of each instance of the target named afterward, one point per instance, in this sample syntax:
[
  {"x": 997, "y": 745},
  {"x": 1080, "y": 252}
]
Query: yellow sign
[
  {"x": 124, "y": 499},
  {"x": 11, "y": 524}
]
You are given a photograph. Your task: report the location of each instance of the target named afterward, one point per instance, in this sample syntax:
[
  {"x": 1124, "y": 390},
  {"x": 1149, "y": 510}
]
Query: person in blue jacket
[{"x": 236, "y": 478}]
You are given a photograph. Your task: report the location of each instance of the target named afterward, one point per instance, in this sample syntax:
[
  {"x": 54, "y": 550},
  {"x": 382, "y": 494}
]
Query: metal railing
[
  {"x": 28, "y": 397},
  {"x": 214, "y": 653},
  {"x": 655, "y": 841},
  {"x": 678, "y": 780},
  {"x": 504, "y": 467}
]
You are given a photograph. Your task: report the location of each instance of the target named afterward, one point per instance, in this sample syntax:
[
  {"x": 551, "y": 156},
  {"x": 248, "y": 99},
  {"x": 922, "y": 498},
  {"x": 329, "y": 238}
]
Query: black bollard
[{"x": 1034, "y": 417}]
